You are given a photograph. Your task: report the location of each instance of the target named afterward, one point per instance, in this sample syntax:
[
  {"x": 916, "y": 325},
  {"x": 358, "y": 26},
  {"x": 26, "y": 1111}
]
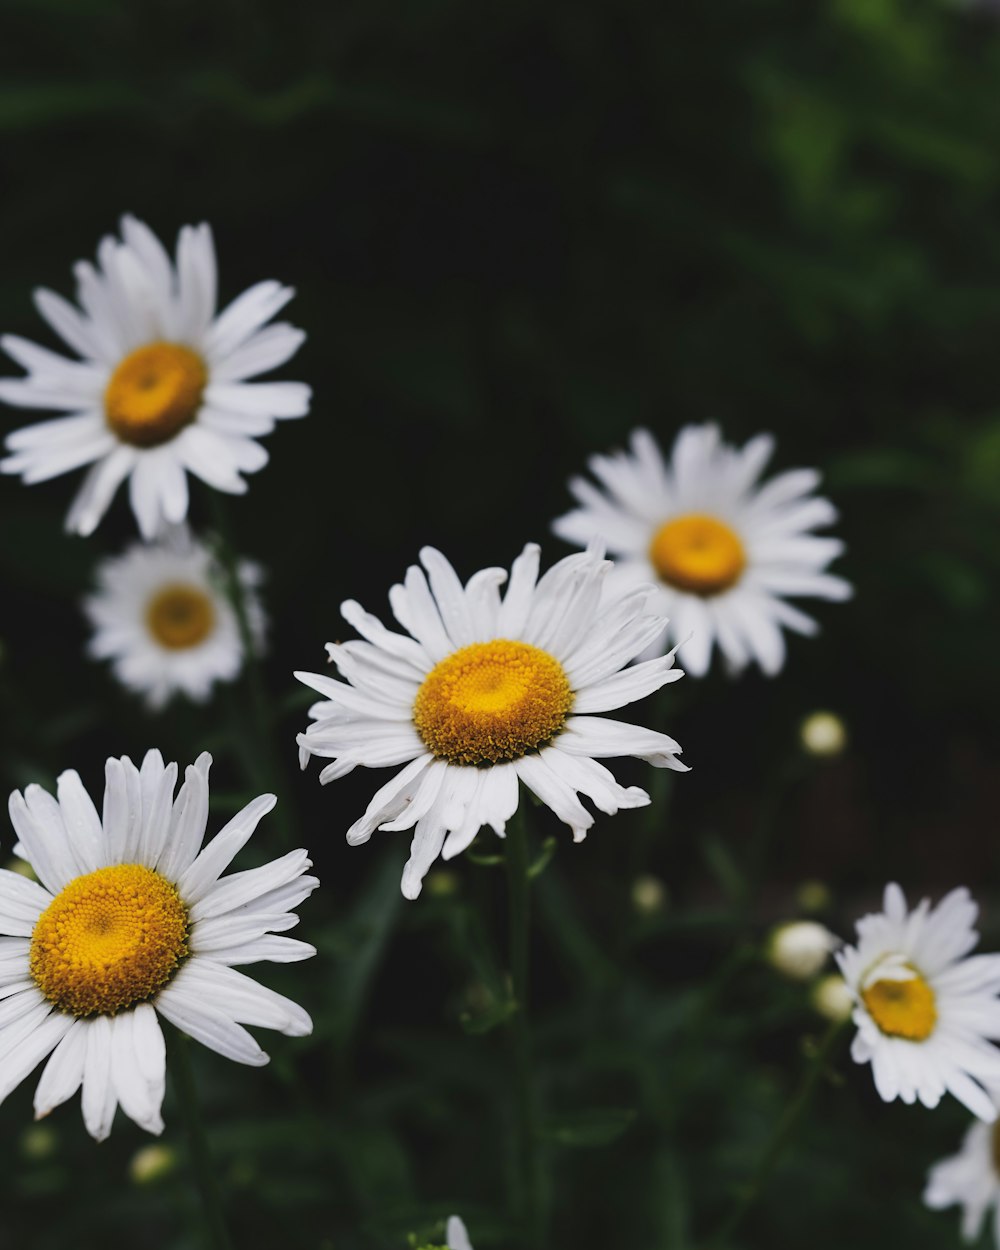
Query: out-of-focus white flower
[
  {"x": 971, "y": 1178},
  {"x": 161, "y": 617},
  {"x": 925, "y": 1009},
  {"x": 483, "y": 694},
  {"x": 458, "y": 1238},
  {"x": 163, "y": 385},
  {"x": 724, "y": 551},
  {"x": 800, "y": 948},
  {"x": 823, "y": 734},
  {"x": 831, "y": 998}
]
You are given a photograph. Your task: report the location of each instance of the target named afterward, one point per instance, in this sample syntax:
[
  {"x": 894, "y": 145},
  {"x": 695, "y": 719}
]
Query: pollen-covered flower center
[
  {"x": 110, "y": 939},
  {"x": 492, "y": 701},
  {"x": 902, "y": 1008},
  {"x": 180, "y": 616},
  {"x": 698, "y": 553},
  {"x": 154, "y": 392}
]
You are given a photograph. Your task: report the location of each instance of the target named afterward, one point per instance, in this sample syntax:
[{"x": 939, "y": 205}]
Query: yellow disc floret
[
  {"x": 902, "y": 1008},
  {"x": 109, "y": 940},
  {"x": 180, "y": 616},
  {"x": 154, "y": 392},
  {"x": 492, "y": 701},
  {"x": 698, "y": 553}
]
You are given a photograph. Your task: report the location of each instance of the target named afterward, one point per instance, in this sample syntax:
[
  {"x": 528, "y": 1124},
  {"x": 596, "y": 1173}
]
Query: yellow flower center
[
  {"x": 492, "y": 701},
  {"x": 697, "y": 553},
  {"x": 108, "y": 940},
  {"x": 902, "y": 1008},
  {"x": 154, "y": 392},
  {"x": 180, "y": 616}
]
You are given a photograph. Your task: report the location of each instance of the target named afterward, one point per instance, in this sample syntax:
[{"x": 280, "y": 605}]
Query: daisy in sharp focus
[
  {"x": 132, "y": 920},
  {"x": 971, "y": 1179},
  {"x": 925, "y": 1009},
  {"x": 162, "y": 388},
  {"x": 484, "y": 693},
  {"x": 162, "y": 618},
  {"x": 723, "y": 550}
]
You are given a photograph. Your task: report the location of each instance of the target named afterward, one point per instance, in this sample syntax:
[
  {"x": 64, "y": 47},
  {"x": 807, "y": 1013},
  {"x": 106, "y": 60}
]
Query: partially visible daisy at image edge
[
  {"x": 456, "y": 1237},
  {"x": 971, "y": 1178},
  {"x": 161, "y": 616},
  {"x": 162, "y": 387},
  {"x": 483, "y": 693},
  {"x": 723, "y": 550},
  {"x": 926, "y": 1010},
  {"x": 131, "y": 919}
]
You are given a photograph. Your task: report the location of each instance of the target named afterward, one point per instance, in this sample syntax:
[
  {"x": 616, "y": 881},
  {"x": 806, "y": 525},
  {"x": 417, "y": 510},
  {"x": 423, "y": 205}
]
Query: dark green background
[{"x": 517, "y": 231}]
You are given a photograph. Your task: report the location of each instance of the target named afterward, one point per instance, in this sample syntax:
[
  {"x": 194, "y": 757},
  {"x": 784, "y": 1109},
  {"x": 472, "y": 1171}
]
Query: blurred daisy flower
[
  {"x": 483, "y": 693},
  {"x": 457, "y": 1237},
  {"x": 723, "y": 550},
  {"x": 132, "y": 920},
  {"x": 161, "y": 389},
  {"x": 161, "y": 617},
  {"x": 924, "y": 1011},
  {"x": 970, "y": 1179}
]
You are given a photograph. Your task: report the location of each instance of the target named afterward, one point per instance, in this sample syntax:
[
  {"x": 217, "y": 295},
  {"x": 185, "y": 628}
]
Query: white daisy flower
[
  {"x": 162, "y": 388},
  {"x": 483, "y": 693},
  {"x": 924, "y": 1010},
  {"x": 133, "y": 919},
  {"x": 970, "y": 1179},
  {"x": 161, "y": 617},
  {"x": 458, "y": 1238},
  {"x": 723, "y": 550}
]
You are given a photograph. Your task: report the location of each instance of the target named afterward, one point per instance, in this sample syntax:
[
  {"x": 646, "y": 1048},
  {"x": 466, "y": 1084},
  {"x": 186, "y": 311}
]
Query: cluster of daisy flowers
[{"x": 488, "y": 688}]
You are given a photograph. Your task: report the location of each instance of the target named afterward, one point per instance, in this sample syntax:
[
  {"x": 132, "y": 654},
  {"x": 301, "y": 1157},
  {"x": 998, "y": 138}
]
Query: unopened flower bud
[
  {"x": 649, "y": 894},
  {"x": 151, "y": 1163},
  {"x": 823, "y": 734},
  {"x": 831, "y": 997},
  {"x": 799, "y": 949}
]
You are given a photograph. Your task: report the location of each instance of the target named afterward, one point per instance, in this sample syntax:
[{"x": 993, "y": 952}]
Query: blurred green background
[{"x": 517, "y": 232}]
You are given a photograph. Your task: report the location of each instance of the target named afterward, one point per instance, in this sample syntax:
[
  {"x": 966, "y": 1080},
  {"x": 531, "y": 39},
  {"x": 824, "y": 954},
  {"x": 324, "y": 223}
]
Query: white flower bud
[
  {"x": 823, "y": 734},
  {"x": 831, "y": 997},
  {"x": 799, "y": 949}
]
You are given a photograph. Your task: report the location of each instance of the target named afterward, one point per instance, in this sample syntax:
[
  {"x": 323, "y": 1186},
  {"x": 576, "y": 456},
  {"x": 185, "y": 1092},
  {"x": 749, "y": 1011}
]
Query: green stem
[
  {"x": 252, "y": 732},
  {"x": 201, "y": 1159},
  {"x": 528, "y": 1198},
  {"x": 781, "y": 1137}
]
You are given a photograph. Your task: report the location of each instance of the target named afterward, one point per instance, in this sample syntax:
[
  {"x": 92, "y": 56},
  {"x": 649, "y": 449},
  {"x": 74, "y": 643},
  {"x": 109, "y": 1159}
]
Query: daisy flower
[
  {"x": 161, "y": 389},
  {"x": 483, "y": 693},
  {"x": 924, "y": 1008},
  {"x": 131, "y": 919},
  {"x": 970, "y": 1179},
  {"x": 456, "y": 1236},
  {"x": 723, "y": 550},
  {"x": 161, "y": 617}
]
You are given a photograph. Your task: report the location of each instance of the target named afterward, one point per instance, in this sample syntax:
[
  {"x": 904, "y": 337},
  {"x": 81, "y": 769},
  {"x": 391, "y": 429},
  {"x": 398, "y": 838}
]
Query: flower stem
[
  {"x": 781, "y": 1137},
  {"x": 201, "y": 1159},
  {"x": 528, "y": 1193},
  {"x": 252, "y": 729}
]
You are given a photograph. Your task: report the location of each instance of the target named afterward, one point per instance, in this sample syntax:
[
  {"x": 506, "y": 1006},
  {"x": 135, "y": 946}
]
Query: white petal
[
  {"x": 199, "y": 878},
  {"x": 99, "y": 1100}
]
